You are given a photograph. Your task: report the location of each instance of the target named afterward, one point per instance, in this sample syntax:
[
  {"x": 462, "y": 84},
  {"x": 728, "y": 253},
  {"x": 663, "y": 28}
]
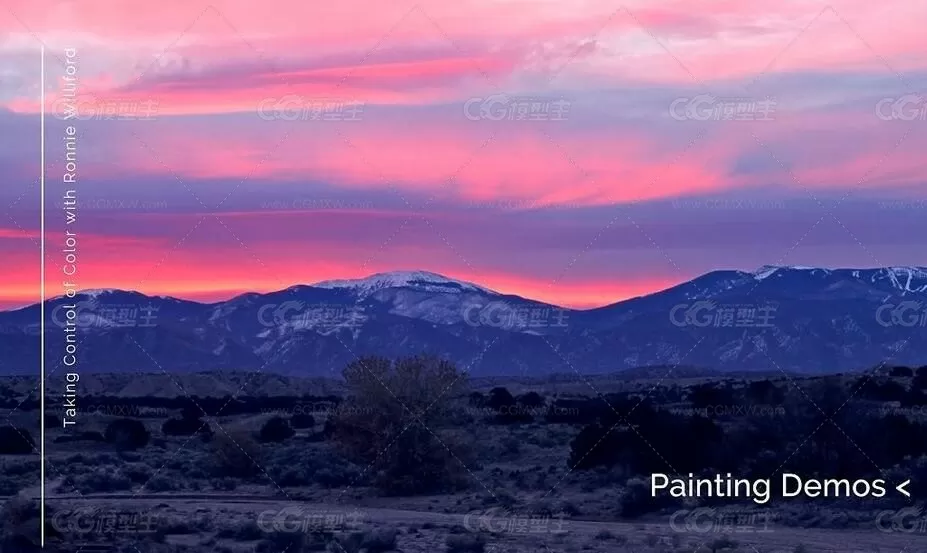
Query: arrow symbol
[{"x": 900, "y": 488}]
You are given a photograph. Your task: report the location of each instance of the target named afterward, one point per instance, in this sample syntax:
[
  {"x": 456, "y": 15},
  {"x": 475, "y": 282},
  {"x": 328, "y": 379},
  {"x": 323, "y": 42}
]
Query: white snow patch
[{"x": 423, "y": 280}]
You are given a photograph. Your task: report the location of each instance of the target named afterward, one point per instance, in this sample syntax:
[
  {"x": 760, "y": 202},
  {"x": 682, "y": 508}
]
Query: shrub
[
  {"x": 85, "y": 436},
  {"x": 52, "y": 420},
  {"x": 302, "y": 420},
  {"x": 224, "y": 484},
  {"x": 127, "y": 434},
  {"x": 636, "y": 499},
  {"x": 182, "y": 427},
  {"x": 901, "y": 372},
  {"x": 15, "y": 441},
  {"x": 191, "y": 412},
  {"x": 138, "y": 472},
  {"x": 20, "y": 526},
  {"x": 500, "y": 398},
  {"x": 206, "y": 433},
  {"x": 532, "y": 400},
  {"x": 236, "y": 454},
  {"x": 275, "y": 430},
  {"x": 687, "y": 443},
  {"x": 394, "y": 421},
  {"x": 291, "y": 542},
  {"x": 920, "y": 381},
  {"x": 378, "y": 540},
  {"x": 724, "y": 543},
  {"x": 100, "y": 480},
  {"x": 508, "y": 411},
  {"x": 160, "y": 483},
  {"x": 466, "y": 543}
]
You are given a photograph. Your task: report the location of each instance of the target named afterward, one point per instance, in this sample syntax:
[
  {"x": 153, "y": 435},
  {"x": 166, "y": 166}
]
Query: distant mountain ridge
[{"x": 777, "y": 318}]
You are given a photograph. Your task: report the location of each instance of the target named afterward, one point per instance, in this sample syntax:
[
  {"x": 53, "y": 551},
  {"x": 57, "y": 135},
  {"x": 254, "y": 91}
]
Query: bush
[
  {"x": 293, "y": 542},
  {"x": 636, "y": 499},
  {"x": 901, "y": 372},
  {"x": 138, "y": 473},
  {"x": 206, "y": 433},
  {"x": 236, "y": 454},
  {"x": 182, "y": 427},
  {"x": 296, "y": 465},
  {"x": 85, "y": 436},
  {"x": 687, "y": 443},
  {"x": 395, "y": 420},
  {"x": 532, "y": 400},
  {"x": 920, "y": 381},
  {"x": 378, "y": 540},
  {"x": 101, "y": 480},
  {"x": 191, "y": 412},
  {"x": 15, "y": 441},
  {"x": 224, "y": 484},
  {"x": 302, "y": 420},
  {"x": 53, "y": 420},
  {"x": 500, "y": 398},
  {"x": 160, "y": 483},
  {"x": 724, "y": 543},
  {"x": 127, "y": 434},
  {"x": 275, "y": 430},
  {"x": 466, "y": 543},
  {"x": 20, "y": 526},
  {"x": 508, "y": 411}
]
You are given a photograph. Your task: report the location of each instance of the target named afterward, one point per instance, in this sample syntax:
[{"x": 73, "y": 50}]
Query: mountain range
[{"x": 790, "y": 319}]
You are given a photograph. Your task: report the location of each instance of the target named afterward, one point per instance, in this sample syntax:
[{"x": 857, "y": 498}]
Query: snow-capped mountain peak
[
  {"x": 903, "y": 279},
  {"x": 797, "y": 319},
  {"x": 767, "y": 271},
  {"x": 97, "y": 292},
  {"x": 421, "y": 280}
]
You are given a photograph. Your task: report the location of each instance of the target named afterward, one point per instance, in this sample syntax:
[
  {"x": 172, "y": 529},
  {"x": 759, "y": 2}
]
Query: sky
[{"x": 576, "y": 152}]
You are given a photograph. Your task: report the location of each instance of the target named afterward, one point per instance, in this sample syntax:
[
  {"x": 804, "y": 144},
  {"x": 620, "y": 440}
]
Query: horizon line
[{"x": 228, "y": 295}]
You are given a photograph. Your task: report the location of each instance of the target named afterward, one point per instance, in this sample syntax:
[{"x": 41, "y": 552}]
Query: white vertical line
[{"x": 42, "y": 299}]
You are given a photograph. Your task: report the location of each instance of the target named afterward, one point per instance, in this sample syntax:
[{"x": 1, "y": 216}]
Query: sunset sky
[{"x": 578, "y": 152}]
